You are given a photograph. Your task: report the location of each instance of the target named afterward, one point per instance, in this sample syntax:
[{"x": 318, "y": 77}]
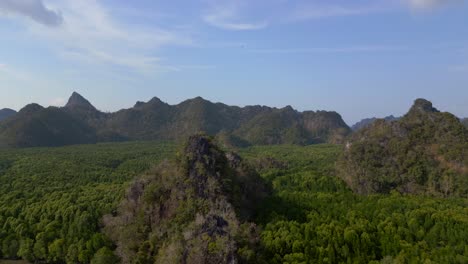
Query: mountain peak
[
  {"x": 422, "y": 106},
  {"x": 6, "y": 112},
  {"x": 155, "y": 101},
  {"x": 76, "y": 100},
  {"x": 31, "y": 108}
]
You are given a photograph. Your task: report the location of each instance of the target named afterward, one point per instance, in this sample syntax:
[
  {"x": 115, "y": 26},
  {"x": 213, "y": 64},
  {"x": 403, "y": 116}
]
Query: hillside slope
[{"x": 424, "y": 152}]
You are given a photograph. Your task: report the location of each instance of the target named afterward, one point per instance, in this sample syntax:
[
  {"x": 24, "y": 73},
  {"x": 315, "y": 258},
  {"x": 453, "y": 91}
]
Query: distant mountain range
[
  {"x": 79, "y": 122},
  {"x": 6, "y": 112},
  {"x": 368, "y": 121}
]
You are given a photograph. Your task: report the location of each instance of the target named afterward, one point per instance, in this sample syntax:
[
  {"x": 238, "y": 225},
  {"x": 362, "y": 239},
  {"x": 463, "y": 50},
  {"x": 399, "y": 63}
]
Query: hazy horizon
[{"x": 361, "y": 59}]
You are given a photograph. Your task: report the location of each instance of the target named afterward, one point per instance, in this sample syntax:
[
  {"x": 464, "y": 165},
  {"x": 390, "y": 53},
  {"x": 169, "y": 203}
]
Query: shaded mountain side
[
  {"x": 425, "y": 152},
  {"x": 156, "y": 120},
  {"x": 194, "y": 209},
  {"x": 6, "y": 113},
  {"x": 465, "y": 122},
  {"x": 368, "y": 121},
  {"x": 35, "y": 126}
]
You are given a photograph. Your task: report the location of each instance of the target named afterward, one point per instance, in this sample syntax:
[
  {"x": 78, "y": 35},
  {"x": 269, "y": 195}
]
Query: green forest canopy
[{"x": 52, "y": 201}]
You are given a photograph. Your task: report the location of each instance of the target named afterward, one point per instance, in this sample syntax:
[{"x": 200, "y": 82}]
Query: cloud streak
[
  {"x": 325, "y": 11},
  {"x": 429, "y": 4},
  {"x": 353, "y": 49},
  {"x": 33, "y": 9},
  {"x": 91, "y": 34},
  {"x": 227, "y": 17}
]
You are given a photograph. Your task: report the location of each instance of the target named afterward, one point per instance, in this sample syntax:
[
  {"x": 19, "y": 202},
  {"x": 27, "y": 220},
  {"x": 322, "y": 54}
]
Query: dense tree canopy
[{"x": 53, "y": 200}]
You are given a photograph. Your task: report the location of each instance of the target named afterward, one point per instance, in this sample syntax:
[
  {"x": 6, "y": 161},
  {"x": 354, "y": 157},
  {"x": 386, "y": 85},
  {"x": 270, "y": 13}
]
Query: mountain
[
  {"x": 6, "y": 113},
  {"x": 157, "y": 120},
  {"x": 425, "y": 152},
  {"x": 368, "y": 121},
  {"x": 194, "y": 209},
  {"x": 36, "y": 126}
]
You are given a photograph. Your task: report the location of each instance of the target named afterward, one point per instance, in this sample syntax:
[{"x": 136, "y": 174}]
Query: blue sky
[{"x": 361, "y": 58}]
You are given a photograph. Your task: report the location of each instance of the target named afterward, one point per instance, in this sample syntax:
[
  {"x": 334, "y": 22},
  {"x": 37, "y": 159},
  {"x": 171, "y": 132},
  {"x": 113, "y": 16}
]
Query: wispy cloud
[
  {"x": 315, "y": 11},
  {"x": 13, "y": 73},
  {"x": 459, "y": 68},
  {"x": 33, "y": 9},
  {"x": 228, "y": 16},
  {"x": 429, "y": 4},
  {"x": 353, "y": 49},
  {"x": 90, "y": 33},
  {"x": 58, "y": 101}
]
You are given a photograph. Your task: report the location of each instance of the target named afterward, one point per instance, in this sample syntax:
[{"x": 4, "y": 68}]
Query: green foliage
[
  {"x": 425, "y": 152},
  {"x": 52, "y": 200},
  {"x": 312, "y": 217},
  {"x": 52, "y": 203}
]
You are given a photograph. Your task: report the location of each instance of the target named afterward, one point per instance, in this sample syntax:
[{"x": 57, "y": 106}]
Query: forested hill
[
  {"x": 80, "y": 122},
  {"x": 425, "y": 152}
]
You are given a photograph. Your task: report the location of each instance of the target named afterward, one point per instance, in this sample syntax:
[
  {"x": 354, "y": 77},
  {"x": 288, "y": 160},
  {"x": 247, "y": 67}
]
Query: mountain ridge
[
  {"x": 368, "y": 121},
  {"x": 157, "y": 120}
]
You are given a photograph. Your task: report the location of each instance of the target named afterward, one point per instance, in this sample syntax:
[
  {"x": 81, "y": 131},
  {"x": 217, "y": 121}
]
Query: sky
[{"x": 361, "y": 58}]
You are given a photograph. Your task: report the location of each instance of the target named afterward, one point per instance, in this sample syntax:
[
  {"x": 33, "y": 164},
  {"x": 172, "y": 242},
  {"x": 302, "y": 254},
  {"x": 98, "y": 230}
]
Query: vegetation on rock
[
  {"x": 193, "y": 210},
  {"x": 425, "y": 152}
]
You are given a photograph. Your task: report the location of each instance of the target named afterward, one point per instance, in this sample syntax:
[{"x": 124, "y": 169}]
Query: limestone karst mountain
[
  {"x": 80, "y": 122},
  {"x": 195, "y": 209},
  {"x": 423, "y": 152}
]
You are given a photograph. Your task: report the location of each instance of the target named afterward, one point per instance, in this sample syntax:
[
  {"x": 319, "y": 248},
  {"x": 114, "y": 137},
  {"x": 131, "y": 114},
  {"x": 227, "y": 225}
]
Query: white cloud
[
  {"x": 352, "y": 49},
  {"x": 324, "y": 11},
  {"x": 58, "y": 101},
  {"x": 90, "y": 33},
  {"x": 428, "y": 4},
  {"x": 33, "y": 9},
  {"x": 227, "y": 16}
]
